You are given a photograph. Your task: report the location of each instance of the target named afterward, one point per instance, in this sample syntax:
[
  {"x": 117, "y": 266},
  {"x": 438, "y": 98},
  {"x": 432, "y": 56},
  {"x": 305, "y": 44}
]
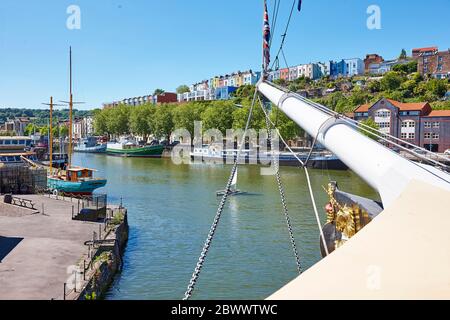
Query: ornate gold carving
[{"x": 348, "y": 220}]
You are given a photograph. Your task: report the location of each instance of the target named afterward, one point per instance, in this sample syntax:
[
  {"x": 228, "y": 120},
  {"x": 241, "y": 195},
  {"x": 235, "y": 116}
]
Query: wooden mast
[
  {"x": 70, "y": 109},
  {"x": 50, "y": 135},
  {"x": 50, "y": 142}
]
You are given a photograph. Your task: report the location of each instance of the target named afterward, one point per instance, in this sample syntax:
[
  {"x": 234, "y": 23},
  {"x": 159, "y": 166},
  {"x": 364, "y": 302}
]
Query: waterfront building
[
  {"x": 16, "y": 125},
  {"x": 431, "y": 61},
  {"x": 385, "y": 66},
  {"x": 324, "y": 69},
  {"x": 284, "y": 74},
  {"x": 293, "y": 73},
  {"x": 251, "y": 78},
  {"x": 338, "y": 69},
  {"x": 83, "y": 127},
  {"x": 224, "y": 93},
  {"x": 354, "y": 67},
  {"x": 415, "y": 123},
  {"x": 274, "y": 75},
  {"x": 371, "y": 59},
  {"x": 166, "y": 97}
]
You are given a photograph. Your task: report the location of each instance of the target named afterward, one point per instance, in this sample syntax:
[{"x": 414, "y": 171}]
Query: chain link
[
  {"x": 212, "y": 231},
  {"x": 283, "y": 196}
]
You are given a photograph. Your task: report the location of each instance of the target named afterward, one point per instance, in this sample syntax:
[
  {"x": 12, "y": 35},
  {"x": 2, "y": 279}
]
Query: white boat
[
  {"x": 90, "y": 145},
  {"x": 233, "y": 188}
]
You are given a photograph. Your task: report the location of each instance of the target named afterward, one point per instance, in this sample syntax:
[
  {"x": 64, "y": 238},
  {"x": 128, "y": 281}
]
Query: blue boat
[
  {"x": 90, "y": 145},
  {"x": 75, "y": 181}
]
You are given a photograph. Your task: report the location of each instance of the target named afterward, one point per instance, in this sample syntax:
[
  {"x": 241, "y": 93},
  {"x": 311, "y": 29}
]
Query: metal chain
[
  {"x": 212, "y": 231},
  {"x": 283, "y": 198}
]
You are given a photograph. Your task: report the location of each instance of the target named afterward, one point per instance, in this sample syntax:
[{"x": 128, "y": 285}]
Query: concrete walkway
[{"x": 36, "y": 250}]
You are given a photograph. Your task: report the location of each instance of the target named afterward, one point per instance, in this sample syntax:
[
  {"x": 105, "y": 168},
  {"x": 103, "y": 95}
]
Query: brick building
[
  {"x": 433, "y": 62},
  {"x": 415, "y": 123},
  {"x": 372, "y": 59}
]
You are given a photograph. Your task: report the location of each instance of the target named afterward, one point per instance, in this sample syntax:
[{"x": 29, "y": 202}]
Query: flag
[
  {"x": 299, "y": 5},
  {"x": 266, "y": 38}
]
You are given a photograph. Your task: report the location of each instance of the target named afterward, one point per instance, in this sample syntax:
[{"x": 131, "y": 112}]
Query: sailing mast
[
  {"x": 70, "y": 108},
  {"x": 71, "y": 103},
  {"x": 50, "y": 135}
]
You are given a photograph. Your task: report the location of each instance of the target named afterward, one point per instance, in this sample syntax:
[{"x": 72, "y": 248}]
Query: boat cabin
[
  {"x": 76, "y": 174},
  {"x": 14, "y": 143}
]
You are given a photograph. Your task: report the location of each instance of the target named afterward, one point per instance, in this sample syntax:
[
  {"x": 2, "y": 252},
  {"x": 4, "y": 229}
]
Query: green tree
[
  {"x": 63, "y": 131},
  {"x": 391, "y": 81},
  {"x": 140, "y": 117},
  {"x": 372, "y": 124},
  {"x": 183, "y": 89},
  {"x": 162, "y": 122},
  {"x": 219, "y": 116},
  {"x": 100, "y": 121},
  {"x": 403, "y": 55},
  {"x": 407, "y": 68},
  {"x": 118, "y": 120},
  {"x": 185, "y": 115},
  {"x": 288, "y": 128},
  {"x": 30, "y": 129},
  {"x": 158, "y": 92},
  {"x": 374, "y": 86}
]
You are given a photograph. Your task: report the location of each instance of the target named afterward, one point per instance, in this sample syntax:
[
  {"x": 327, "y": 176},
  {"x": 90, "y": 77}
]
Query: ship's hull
[
  {"x": 79, "y": 188},
  {"x": 330, "y": 163},
  {"x": 96, "y": 149},
  {"x": 144, "y": 152}
]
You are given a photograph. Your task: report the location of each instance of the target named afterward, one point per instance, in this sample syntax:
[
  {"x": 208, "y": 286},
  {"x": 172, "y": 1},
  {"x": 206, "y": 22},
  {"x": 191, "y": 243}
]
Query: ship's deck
[{"x": 402, "y": 254}]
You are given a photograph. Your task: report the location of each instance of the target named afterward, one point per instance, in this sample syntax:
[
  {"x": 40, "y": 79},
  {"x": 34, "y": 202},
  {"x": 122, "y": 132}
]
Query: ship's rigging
[{"x": 346, "y": 219}]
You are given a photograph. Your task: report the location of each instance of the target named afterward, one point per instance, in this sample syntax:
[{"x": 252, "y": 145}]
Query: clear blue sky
[{"x": 129, "y": 48}]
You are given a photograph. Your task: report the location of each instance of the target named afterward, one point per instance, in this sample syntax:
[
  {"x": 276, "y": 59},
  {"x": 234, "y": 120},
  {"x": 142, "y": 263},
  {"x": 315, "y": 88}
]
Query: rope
[
  {"x": 212, "y": 231},
  {"x": 283, "y": 198},
  {"x": 311, "y": 192},
  {"x": 283, "y": 36}
]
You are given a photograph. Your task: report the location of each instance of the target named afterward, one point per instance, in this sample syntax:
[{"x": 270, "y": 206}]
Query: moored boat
[
  {"x": 90, "y": 145},
  {"x": 76, "y": 181},
  {"x": 128, "y": 148}
]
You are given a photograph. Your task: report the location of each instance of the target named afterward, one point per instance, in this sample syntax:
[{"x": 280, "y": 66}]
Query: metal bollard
[{"x": 64, "y": 297}]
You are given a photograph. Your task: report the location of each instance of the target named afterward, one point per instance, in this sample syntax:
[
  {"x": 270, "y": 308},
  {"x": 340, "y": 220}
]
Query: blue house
[
  {"x": 338, "y": 69},
  {"x": 224, "y": 93}
]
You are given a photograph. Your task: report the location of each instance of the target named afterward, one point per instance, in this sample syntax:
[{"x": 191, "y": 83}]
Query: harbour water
[{"x": 171, "y": 209}]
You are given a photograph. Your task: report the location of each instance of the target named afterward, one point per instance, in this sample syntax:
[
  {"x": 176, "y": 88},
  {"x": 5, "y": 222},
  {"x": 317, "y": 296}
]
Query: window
[
  {"x": 404, "y": 124},
  {"x": 404, "y": 135},
  {"x": 411, "y": 136},
  {"x": 383, "y": 113},
  {"x": 427, "y": 135},
  {"x": 414, "y": 113},
  {"x": 436, "y": 125},
  {"x": 412, "y": 124},
  {"x": 427, "y": 125},
  {"x": 366, "y": 114},
  {"x": 435, "y": 135}
]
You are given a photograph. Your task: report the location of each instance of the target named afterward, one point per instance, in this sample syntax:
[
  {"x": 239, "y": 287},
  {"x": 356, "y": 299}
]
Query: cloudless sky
[{"x": 129, "y": 48}]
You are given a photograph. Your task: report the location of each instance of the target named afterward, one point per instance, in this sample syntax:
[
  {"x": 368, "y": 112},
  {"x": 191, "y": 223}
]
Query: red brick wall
[
  {"x": 372, "y": 58},
  {"x": 167, "y": 97}
]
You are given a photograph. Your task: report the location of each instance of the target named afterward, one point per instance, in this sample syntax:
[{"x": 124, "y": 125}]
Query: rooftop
[
  {"x": 439, "y": 113},
  {"x": 400, "y": 105}
]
